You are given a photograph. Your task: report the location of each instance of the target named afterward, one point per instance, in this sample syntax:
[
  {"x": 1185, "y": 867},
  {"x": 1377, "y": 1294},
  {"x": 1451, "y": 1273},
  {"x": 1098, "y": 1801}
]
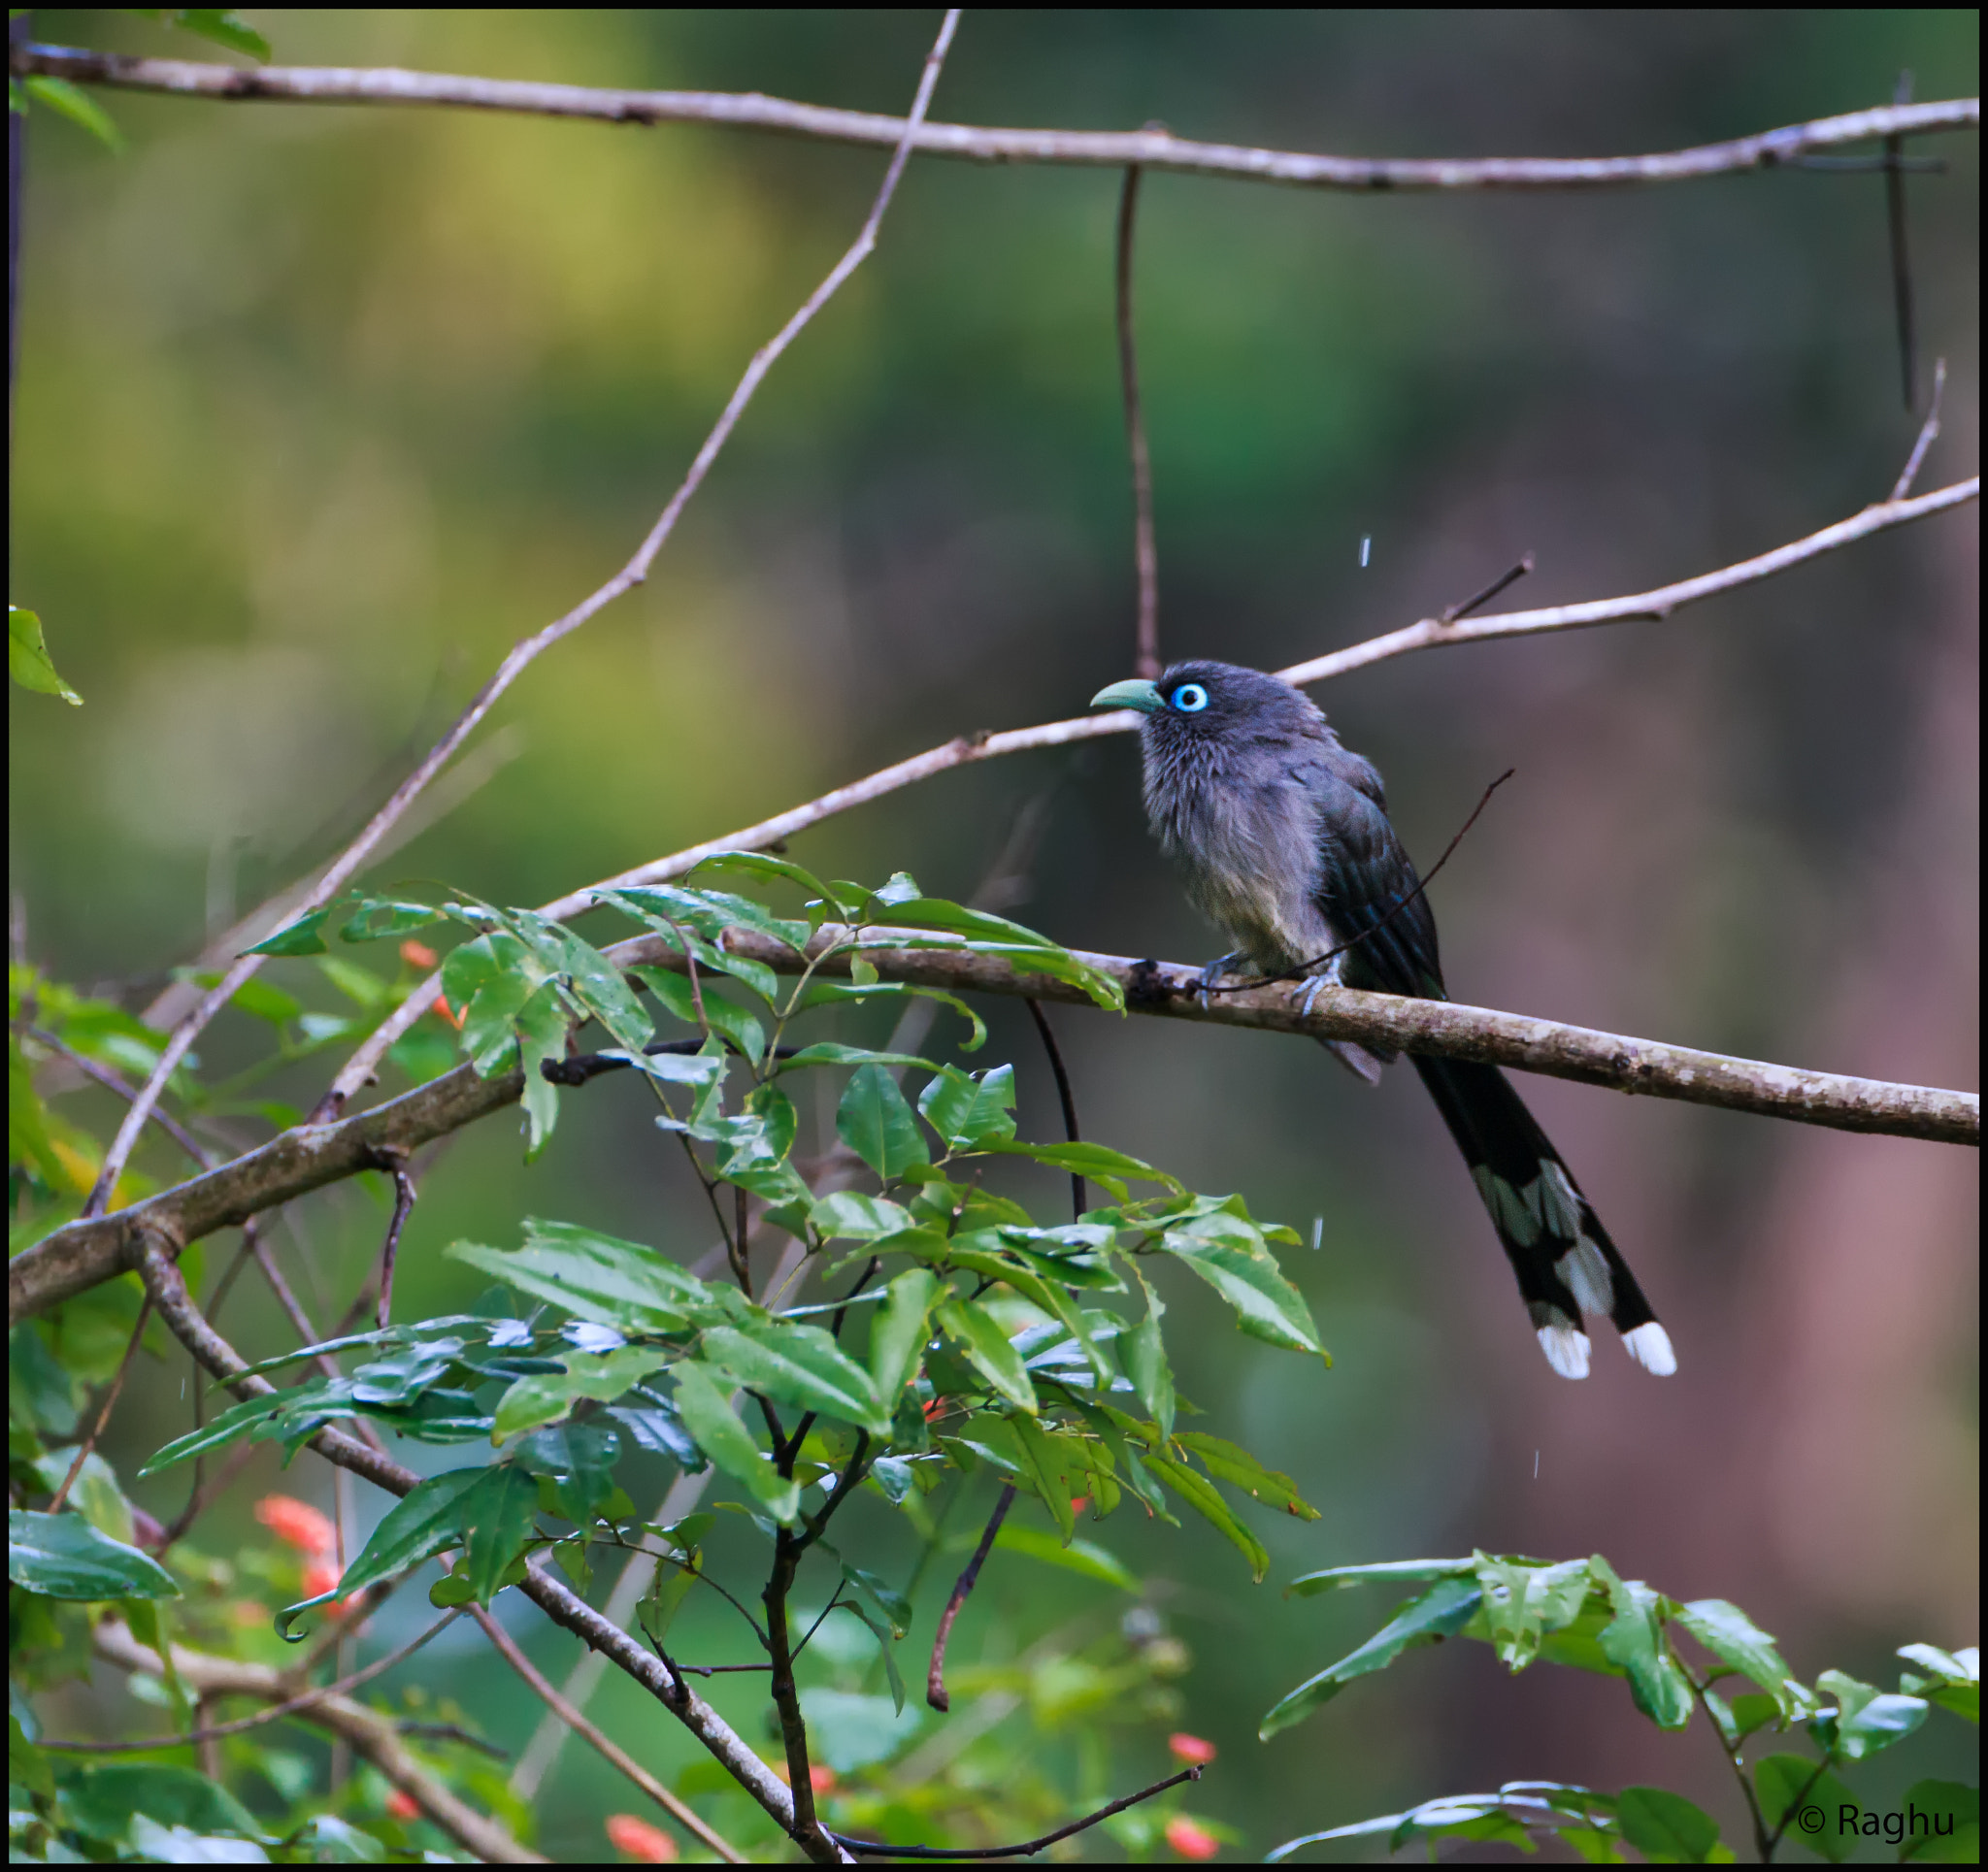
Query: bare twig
[
  {"x": 301, "y": 1705},
  {"x": 368, "y": 1731},
  {"x": 1900, "y": 260},
  {"x": 1106, "y": 150},
  {"x": 965, "y": 749},
  {"x": 1490, "y": 591},
  {"x": 90, "y": 1442},
  {"x": 403, "y": 1207},
  {"x": 78, "y": 1256},
  {"x": 684, "y": 1815},
  {"x": 935, "y": 1674},
  {"x": 1145, "y": 659},
  {"x": 527, "y": 651},
  {"x": 114, "y": 1081},
  {"x": 1078, "y": 1193},
  {"x": 1929, "y": 434},
  {"x": 875, "y": 1849}
]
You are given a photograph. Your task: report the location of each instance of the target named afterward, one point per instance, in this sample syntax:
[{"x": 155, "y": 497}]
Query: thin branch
[
  {"x": 1731, "y": 1751},
  {"x": 934, "y": 1673},
  {"x": 1078, "y": 1196},
  {"x": 1929, "y": 434},
  {"x": 403, "y": 1207},
  {"x": 368, "y": 1733},
  {"x": 684, "y": 1815},
  {"x": 1106, "y": 150},
  {"x": 1900, "y": 260},
  {"x": 299, "y": 1705},
  {"x": 78, "y": 1256},
  {"x": 564, "y": 1607},
  {"x": 966, "y": 749},
  {"x": 1490, "y": 591},
  {"x": 355, "y": 857},
  {"x": 114, "y": 1081},
  {"x": 1146, "y": 639},
  {"x": 90, "y": 1442},
  {"x": 875, "y": 1849}
]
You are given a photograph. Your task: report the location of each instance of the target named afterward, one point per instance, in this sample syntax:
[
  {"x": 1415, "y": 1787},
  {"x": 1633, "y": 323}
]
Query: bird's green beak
[{"x": 1142, "y": 696}]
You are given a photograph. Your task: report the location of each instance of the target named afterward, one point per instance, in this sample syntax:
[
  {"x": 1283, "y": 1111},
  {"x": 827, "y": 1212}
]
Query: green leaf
[
  {"x": 1053, "y": 1468},
  {"x": 1331, "y": 1578},
  {"x": 898, "y": 1332},
  {"x": 546, "y": 1397},
  {"x": 854, "y": 1732},
  {"x": 701, "y": 1403},
  {"x": 1146, "y": 1362},
  {"x": 1868, "y": 1719},
  {"x": 760, "y": 864},
  {"x": 223, "y": 25},
  {"x": 1780, "y": 1781},
  {"x": 834, "y": 1053},
  {"x": 107, "y": 1800},
  {"x": 1948, "y": 1832},
  {"x": 1201, "y": 1496},
  {"x": 1952, "y": 1678},
  {"x": 850, "y": 1216},
  {"x": 27, "y": 654},
  {"x": 1267, "y": 1305},
  {"x": 431, "y": 1517},
  {"x": 876, "y": 1122},
  {"x": 989, "y": 1351},
  {"x": 1238, "y": 1468},
  {"x": 1097, "y": 1162},
  {"x": 378, "y": 917},
  {"x": 1735, "y": 1640},
  {"x": 303, "y": 938},
  {"x": 722, "y": 1016},
  {"x": 498, "y": 1515},
  {"x": 1076, "y": 1556},
  {"x": 26, "y": 1765},
  {"x": 659, "y": 1605},
  {"x": 1524, "y": 1602},
  {"x": 62, "y": 1557},
  {"x": 800, "y": 1365},
  {"x": 598, "y": 1278},
  {"x": 969, "y": 1110},
  {"x": 83, "y": 110},
  {"x": 882, "y": 1632},
  {"x": 1634, "y": 1641},
  {"x": 1665, "y": 1828},
  {"x": 1047, "y": 1296},
  {"x": 1445, "y": 1608}
]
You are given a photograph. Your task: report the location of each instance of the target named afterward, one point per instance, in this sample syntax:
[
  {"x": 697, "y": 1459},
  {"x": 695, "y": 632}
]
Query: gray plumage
[{"x": 1285, "y": 839}]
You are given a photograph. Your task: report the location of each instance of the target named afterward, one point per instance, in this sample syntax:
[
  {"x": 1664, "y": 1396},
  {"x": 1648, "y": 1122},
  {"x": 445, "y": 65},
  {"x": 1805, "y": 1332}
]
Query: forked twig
[{"x": 935, "y": 1675}]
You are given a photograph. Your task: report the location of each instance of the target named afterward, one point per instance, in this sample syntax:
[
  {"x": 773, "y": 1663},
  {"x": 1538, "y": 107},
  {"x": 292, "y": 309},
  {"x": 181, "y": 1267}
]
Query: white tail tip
[
  {"x": 1566, "y": 1350},
  {"x": 1649, "y": 1345}
]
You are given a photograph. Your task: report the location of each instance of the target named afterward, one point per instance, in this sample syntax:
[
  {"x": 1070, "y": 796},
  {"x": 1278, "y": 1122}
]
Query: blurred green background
[{"x": 320, "y": 409}]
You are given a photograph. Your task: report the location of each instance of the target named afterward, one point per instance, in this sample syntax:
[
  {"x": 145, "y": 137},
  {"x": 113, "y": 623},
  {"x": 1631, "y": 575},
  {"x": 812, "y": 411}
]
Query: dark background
[{"x": 322, "y": 407}]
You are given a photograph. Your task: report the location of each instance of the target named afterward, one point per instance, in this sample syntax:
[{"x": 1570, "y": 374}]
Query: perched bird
[{"x": 1285, "y": 841}]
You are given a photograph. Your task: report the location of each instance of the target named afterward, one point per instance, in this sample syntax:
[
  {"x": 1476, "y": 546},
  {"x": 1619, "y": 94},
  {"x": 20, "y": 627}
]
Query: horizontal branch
[
  {"x": 308, "y": 1157},
  {"x": 368, "y": 1733},
  {"x": 1089, "y": 148},
  {"x": 965, "y": 749}
]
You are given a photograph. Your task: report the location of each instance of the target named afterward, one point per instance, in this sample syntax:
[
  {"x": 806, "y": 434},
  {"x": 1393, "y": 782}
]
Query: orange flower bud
[
  {"x": 402, "y": 1805},
  {"x": 640, "y": 1840},
  {"x": 441, "y": 1007},
  {"x": 297, "y": 1523},
  {"x": 1190, "y": 1840},
  {"x": 417, "y": 954},
  {"x": 1191, "y": 1749},
  {"x": 821, "y": 1779}
]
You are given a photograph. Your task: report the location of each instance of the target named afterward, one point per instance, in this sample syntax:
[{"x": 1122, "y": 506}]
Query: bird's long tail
[{"x": 1566, "y": 1264}]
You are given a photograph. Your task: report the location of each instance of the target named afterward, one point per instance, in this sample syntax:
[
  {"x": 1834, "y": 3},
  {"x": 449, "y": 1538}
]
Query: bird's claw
[
  {"x": 1311, "y": 995},
  {"x": 1214, "y": 972}
]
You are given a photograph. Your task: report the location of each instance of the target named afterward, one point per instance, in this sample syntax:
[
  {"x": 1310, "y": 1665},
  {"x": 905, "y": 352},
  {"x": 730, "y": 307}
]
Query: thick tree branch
[
  {"x": 365, "y": 1731},
  {"x": 1091, "y": 149},
  {"x": 77, "y": 1257},
  {"x": 965, "y": 749}
]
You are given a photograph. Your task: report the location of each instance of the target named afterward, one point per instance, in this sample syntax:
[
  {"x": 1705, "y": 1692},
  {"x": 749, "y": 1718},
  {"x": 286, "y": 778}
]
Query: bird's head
[{"x": 1203, "y": 702}]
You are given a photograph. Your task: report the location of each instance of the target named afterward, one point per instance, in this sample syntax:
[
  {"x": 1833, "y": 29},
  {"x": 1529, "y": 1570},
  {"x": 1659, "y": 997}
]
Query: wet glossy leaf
[
  {"x": 1733, "y": 1638},
  {"x": 899, "y": 1332},
  {"x": 699, "y": 1401},
  {"x": 1201, "y": 1497},
  {"x": 800, "y": 1365},
  {"x": 876, "y": 1122},
  {"x": 303, "y": 938},
  {"x": 1267, "y": 1305},
  {"x": 1446, "y": 1607},
  {"x": 987, "y": 1349},
  {"x": 1665, "y": 1828},
  {"x": 1241, "y": 1470},
  {"x": 1868, "y": 1720},
  {"x": 1078, "y": 1555},
  {"x": 969, "y": 1110},
  {"x": 430, "y": 1517},
  {"x": 62, "y": 1557},
  {"x": 1635, "y": 1642},
  {"x": 597, "y": 1278}
]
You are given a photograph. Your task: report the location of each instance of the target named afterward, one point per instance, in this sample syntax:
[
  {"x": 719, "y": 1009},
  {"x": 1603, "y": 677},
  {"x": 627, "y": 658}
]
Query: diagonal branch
[
  {"x": 70, "y": 1259},
  {"x": 1089, "y": 148},
  {"x": 527, "y": 651},
  {"x": 965, "y": 749}
]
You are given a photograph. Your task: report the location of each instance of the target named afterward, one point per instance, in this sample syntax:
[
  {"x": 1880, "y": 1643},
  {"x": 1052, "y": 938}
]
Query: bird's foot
[
  {"x": 1216, "y": 969},
  {"x": 1312, "y": 989}
]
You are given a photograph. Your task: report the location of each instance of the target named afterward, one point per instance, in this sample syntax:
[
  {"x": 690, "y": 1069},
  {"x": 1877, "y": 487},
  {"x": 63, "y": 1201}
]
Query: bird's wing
[{"x": 1363, "y": 876}]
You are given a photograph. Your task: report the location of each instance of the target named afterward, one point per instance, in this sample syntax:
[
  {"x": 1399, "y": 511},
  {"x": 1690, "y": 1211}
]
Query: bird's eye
[{"x": 1191, "y": 699}]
